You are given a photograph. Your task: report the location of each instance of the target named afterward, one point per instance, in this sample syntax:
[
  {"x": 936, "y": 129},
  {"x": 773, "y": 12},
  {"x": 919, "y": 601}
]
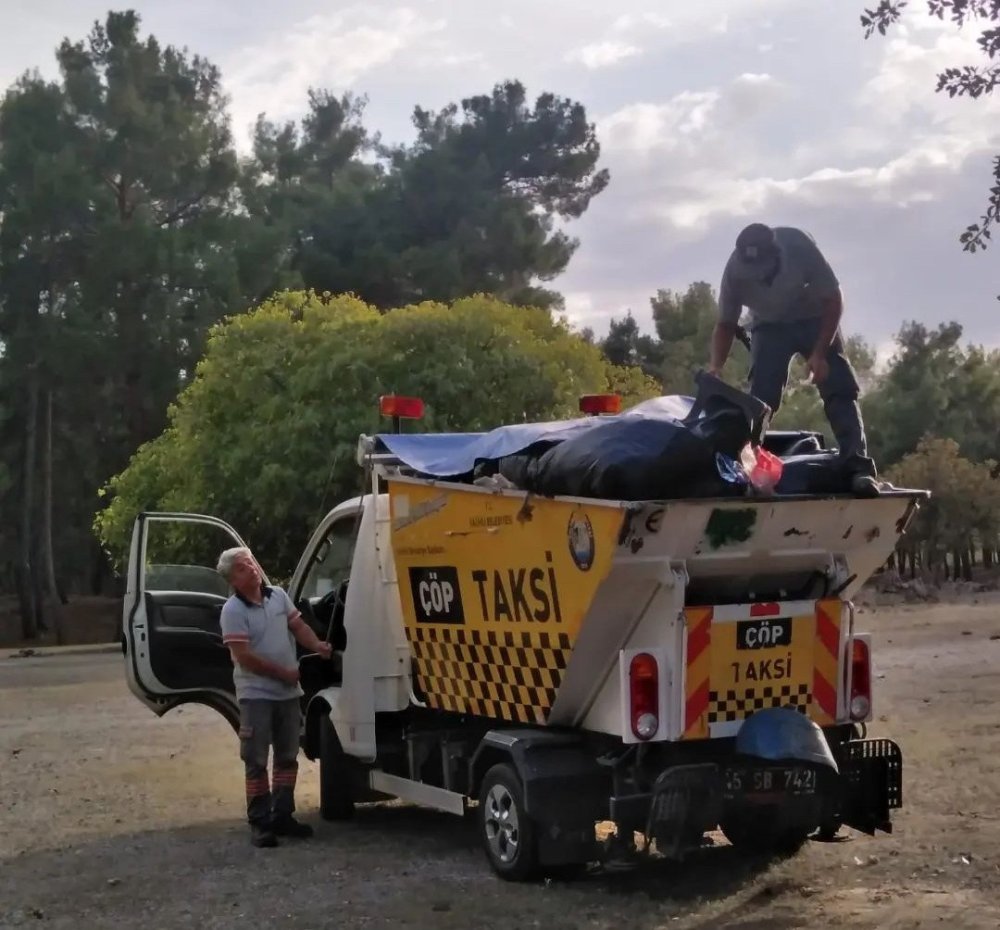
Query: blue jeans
[{"x": 772, "y": 346}]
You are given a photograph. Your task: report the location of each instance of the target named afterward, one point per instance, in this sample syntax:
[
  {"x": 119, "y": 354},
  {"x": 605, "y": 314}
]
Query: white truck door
[{"x": 173, "y": 601}]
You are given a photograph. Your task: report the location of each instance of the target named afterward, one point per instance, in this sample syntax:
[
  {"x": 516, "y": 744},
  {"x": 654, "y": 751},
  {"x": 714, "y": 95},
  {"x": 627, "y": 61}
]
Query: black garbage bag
[
  {"x": 639, "y": 459},
  {"x": 657, "y": 453},
  {"x": 793, "y": 442},
  {"x": 816, "y": 473}
]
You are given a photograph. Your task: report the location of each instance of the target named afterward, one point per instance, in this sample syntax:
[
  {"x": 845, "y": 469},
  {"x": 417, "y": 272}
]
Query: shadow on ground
[{"x": 392, "y": 865}]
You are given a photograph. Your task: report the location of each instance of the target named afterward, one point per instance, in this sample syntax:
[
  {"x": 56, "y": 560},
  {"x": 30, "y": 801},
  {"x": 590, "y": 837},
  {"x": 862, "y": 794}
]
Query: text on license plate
[{"x": 793, "y": 779}]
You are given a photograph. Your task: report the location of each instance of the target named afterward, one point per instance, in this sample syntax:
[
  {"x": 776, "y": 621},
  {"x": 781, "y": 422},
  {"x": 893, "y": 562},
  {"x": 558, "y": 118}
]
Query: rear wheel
[
  {"x": 506, "y": 831},
  {"x": 758, "y": 831},
  {"x": 336, "y": 792}
]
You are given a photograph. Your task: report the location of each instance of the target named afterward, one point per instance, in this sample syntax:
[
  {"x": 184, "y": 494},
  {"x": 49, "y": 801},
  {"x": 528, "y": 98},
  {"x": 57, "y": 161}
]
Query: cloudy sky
[{"x": 709, "y": 117}]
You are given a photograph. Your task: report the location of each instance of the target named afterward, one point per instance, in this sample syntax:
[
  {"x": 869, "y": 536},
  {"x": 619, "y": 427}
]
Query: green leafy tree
[
  {"x": 116, "y": 216},
  {"x": 954, "y": 521},
  {"x": 684, "y": 325},
  {"x": 469, "y": 207},
  {"x": 266, "y": 433}
]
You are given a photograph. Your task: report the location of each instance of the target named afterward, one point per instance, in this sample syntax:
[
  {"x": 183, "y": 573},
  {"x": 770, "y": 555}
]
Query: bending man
[{"x": 795, "y": 305}]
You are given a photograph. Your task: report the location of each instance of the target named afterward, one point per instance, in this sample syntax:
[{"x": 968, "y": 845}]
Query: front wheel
[
  {"x": 506, "y": 831},
  {"x": 336, "y": 791}
]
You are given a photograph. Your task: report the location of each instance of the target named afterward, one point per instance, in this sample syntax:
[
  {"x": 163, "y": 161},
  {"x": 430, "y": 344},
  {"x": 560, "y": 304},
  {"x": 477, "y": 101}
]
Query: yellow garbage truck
[{"x": 656, "y": 668}]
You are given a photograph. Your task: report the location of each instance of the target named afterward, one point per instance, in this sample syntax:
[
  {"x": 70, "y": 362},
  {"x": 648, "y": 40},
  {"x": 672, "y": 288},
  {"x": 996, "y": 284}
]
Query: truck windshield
[{"x": 331, "y": 562}]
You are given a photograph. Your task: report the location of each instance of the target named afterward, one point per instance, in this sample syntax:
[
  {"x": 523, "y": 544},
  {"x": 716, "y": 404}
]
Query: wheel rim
[{"x": 502, "y": 832}]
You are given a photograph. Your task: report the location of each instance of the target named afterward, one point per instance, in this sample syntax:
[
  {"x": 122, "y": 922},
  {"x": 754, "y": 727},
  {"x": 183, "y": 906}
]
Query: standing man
[
  {"x": 260, "y": 625},
  {"x": 795, "y": 305}
]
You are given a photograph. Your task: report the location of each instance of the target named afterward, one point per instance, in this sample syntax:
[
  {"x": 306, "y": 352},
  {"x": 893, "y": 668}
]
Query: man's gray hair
[{"x": 226, "y": 560}]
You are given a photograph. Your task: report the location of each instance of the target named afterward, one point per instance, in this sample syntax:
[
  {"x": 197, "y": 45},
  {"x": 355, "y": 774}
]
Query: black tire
[
  {"x": 756, "y": 833},
  {"x": 336, "y": 794},
  {"x": 505, "y": 830}
]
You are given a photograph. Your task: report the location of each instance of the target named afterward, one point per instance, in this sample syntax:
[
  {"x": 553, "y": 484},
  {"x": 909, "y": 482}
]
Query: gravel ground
[{"x": 112, "y": 817}]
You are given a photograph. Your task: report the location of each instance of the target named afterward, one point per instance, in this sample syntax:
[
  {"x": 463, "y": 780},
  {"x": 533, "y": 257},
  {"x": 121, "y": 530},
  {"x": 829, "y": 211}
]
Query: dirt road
[{"x": 112, "y": 817}]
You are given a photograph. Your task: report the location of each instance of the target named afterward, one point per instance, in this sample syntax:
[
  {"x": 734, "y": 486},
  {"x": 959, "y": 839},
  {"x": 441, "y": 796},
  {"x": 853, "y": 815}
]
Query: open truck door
[{"x": 171, "y": 614}]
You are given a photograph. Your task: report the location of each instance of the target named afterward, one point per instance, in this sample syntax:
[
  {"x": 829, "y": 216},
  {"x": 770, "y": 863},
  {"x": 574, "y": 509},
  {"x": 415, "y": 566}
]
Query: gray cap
[{"x": 756, "y": 249}]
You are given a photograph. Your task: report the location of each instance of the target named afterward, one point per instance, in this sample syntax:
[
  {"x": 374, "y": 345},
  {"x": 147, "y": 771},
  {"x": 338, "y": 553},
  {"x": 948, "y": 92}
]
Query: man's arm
[
  {"x": 236, "y": 636},
  {"x": 722, "y": 342},
  {"x": 305, "y": 635},
  {"x": 730, "y": 308},
  {"x": 833, "y": 310},
  {"x": 824, "y": 284},
  {"x": 242, "y": 656}
]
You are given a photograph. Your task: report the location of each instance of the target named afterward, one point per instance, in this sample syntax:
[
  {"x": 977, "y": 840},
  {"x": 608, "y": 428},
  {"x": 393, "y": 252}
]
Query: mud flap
[
  {"x": 686, "y": 801},
  {"x": 872, "y": 784}
]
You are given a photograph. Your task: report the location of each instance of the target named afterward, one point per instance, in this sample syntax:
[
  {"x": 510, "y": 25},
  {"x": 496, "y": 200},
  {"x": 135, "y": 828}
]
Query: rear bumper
[{"x": 687, "y": 800}]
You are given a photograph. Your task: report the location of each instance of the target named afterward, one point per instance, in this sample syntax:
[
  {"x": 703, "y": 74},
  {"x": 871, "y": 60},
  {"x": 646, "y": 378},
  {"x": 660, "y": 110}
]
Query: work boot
[
  {"x": 864, "y": 486},
  {"x": 262, "y": 836},
  {"x": 289, "y": 826}
]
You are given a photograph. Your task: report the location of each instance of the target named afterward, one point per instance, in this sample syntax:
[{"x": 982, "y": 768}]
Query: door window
[{"x": 183, "y": 556}]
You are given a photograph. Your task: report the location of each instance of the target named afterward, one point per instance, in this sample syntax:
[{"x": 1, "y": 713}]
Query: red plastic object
[{"x": 766, "y": 471}]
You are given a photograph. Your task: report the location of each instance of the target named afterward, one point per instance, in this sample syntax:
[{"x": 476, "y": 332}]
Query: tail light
[
  {"x": 644, "y": 695},
  {"x": 861, "y": 680}
]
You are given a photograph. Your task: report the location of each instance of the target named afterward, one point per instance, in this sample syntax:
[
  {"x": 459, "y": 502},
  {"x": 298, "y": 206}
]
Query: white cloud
[
  {"x": 649, "y": 129},
  {"x": 327, "y": 49},
  {"x": 694, "y": 123},
  {"x": 912, "y": 178},
  {"x": 629, "y": 21},
  {"x": 602, "y": 54}
]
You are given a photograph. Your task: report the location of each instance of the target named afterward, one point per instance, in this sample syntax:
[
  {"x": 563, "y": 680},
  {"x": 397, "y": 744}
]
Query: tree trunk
[
  {"x": 25, "y": 573},
  {"x": 50, "y": 562},
  {"x": 966, "y": 565}
]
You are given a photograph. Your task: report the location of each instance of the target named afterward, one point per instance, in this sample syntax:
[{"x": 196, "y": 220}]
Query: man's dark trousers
[
  {"x": 264, "y": 724},
  {"x": 772, "y": 346}
]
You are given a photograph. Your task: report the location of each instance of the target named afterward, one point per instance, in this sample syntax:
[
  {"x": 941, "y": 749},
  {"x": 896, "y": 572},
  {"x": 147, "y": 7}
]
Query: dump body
[{"x": 519, "y": 609}]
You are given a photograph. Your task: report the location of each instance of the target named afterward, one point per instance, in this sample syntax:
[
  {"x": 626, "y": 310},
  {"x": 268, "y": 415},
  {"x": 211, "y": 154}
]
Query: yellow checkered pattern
[
  {"x": 732, "y": 705},
  {"x": 500, "y": 674}
]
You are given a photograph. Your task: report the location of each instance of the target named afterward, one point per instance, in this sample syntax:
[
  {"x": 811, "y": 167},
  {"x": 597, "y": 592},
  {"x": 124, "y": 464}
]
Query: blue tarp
[{"x": 446, "y": 455}]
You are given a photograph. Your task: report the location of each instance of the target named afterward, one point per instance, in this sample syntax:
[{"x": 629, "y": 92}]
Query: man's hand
[
  {"x": 291, "y": 675},
  {"x": 818, "y": 367},
  {"x": 325, "y": 650}
]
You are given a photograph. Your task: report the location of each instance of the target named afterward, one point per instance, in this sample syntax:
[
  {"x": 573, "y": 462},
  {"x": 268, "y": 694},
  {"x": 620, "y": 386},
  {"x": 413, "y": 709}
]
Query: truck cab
[{"x": 668, "y": 666}]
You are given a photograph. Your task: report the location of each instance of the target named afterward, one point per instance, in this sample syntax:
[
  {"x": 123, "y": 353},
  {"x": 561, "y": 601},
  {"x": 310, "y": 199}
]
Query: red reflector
[
  {"x": 765, "y": 610},
  {"x": 408, "y": 408},
  {"x": 861, "y": 670},
  {"x": 644, "y": 695},
  {"x": 593, "y": 404},
  {"x": 861, "y": 681}
]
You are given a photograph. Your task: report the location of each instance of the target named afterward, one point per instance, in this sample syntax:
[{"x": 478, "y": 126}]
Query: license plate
[{"x": 771, "y": 780}]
